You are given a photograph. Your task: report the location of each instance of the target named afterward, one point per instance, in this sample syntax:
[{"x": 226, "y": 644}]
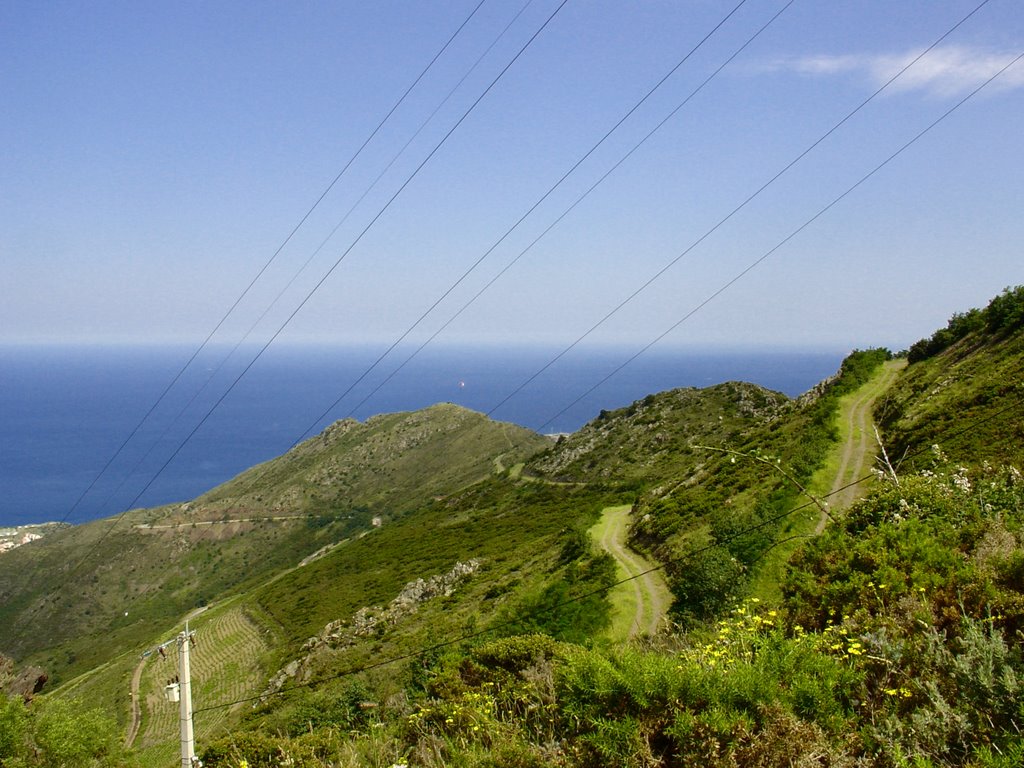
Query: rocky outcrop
[
  {"x": 371, "y": 620},
  {"x": 26, "y": 682}
]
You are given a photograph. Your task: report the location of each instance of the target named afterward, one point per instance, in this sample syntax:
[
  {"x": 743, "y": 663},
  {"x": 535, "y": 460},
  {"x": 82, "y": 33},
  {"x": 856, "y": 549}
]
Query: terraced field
[{"x": 225, "y": 668}]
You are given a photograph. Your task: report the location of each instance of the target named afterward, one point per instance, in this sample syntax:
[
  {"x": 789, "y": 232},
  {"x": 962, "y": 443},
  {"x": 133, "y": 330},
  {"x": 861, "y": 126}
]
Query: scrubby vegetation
[
  {"x": 55, "y": 733},
  {"x": 1003, "y": 315},
  {"x": 161, "y": 563},
  {"x": 977, "y": 379},
  {"x": 897, "y": 644},
  {"x": 714, "y": 525},
  {"x": 891, "y": 640}
]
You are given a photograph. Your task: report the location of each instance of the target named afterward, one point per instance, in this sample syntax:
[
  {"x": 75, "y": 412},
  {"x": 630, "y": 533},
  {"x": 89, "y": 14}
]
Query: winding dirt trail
[
  {"x": 638, "y": 605},
  {"x": 859, "y": 449},
  {"x": 136, "y": 713}
]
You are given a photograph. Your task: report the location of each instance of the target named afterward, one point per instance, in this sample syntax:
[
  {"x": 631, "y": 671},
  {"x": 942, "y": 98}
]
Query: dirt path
[
  {"x": 638, "y": 605},
  {"x": 229, "y": 521},
  {"x": 858, "y": 449},
  {"x": 136, "y": 714}
]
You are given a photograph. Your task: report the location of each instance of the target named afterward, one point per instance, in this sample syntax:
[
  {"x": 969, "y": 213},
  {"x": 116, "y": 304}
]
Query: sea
[{"x": 90, "y": 431}]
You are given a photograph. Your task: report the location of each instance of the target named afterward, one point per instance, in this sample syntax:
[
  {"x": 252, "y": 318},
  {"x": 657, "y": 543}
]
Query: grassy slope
[
  {"x": 833, "y": 474},
  {"x": 714, "y": 520},
  {"x": 518, "y": 524},
  {"x": 510, "y": 525},
  {"x": 639, "y": 450},
  {"x": 652, "y": 440},
  {"x": 63, "y": 601},
  {"x": 969, "y": 398}
]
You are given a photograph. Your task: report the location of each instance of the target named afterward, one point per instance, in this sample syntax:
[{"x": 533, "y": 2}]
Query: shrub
[
  {"x": 13, "y": 727},
  {"x": 64, "y": 733}
]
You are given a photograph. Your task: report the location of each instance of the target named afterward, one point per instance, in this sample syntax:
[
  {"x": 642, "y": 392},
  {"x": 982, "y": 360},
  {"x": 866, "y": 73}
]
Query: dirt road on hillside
[
  {"x": 136, "y": 713},
  {"x": 639, "y": 605},
  {"x": 859, "y": 448}
]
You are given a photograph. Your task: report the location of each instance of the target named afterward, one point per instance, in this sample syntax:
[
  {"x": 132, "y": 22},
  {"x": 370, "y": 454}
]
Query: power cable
[
  {"x": 345, "y": 217},
  {"x": 671, "y": 263},
  {"x": 522, "y": 218},
  {"x": 266, "y": 265},
  {"x": 515, "y": 226},
  {"x": 734, "y": 211},
  {"x": 327, "y": 274},
  {"x": 316, "y": 287},
  {"x": 786, "y": 239},
  {"x": 395, "y": 157},
  {"x": 768, "y": 521},
  {"x": 557, "y": 220},
  {"x": 341, "y": 222},
  {"x": 471, "y": 636},
  {"x": 827, "y": 207}
]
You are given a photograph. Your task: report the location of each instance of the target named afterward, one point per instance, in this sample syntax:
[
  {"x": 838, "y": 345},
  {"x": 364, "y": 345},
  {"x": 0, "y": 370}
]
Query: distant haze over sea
[{"x": 64, "y": 411}]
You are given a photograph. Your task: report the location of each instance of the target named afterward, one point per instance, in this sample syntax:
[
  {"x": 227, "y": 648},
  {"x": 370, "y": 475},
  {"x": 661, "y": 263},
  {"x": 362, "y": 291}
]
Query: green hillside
[
  {"x": 467, "y": 627},
  {"x": 82, "y": 595},
  {"x": 964, "y": 390}
]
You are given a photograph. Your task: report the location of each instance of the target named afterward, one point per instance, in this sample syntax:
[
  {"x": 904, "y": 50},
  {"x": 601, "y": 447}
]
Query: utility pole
[
  {"x": 180, "y": 690},
  {"x": 188, "y": 742}
]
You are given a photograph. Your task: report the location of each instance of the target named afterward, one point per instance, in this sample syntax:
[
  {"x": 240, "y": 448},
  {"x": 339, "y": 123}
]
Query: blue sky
[{"x": 156, "y": 155}]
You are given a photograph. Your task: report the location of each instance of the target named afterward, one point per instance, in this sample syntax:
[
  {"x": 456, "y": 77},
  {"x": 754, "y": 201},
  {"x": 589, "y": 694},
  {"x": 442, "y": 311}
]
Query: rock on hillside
[
  {"x": 649, "y": 438},
  {"x": 25, "y": 682},
  {"x": 369, "y": 620}
]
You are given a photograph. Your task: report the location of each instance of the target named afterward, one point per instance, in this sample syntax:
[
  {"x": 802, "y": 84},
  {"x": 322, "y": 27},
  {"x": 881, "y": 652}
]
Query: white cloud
[{"x": 943, "y": 71}]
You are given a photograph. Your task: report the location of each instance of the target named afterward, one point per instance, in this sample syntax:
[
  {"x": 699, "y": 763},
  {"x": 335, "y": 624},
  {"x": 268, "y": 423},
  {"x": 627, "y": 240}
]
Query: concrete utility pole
[
  {"x": 188, "y": 742},
  {"x": 180, "y": 690}
]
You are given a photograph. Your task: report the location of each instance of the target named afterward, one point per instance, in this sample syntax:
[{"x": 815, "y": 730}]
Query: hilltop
[{"x": 83, "y": 592}]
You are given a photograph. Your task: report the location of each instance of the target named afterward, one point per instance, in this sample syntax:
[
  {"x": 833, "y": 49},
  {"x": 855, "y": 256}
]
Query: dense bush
[
  {"x": 54, "y": 733},
  {"x": 926, "y": 574},
  {"x": 1003, "y": 315}
]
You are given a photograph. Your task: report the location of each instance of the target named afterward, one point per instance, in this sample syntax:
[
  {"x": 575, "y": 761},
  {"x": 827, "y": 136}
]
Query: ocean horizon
[{"x": 66, "y": 410}]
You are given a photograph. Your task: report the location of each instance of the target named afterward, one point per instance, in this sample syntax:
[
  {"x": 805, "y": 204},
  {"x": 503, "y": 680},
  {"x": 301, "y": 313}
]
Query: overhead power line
[
  {"x": 524, "y": 216},
  {"x": 721, "y": 222},
  {"x": 750, "y": 267},
  {"x": 472, "y": 268},
  {"x": 74, "y": 569},
  {"x": 666, "y": 267},
  {"x": 557, "y": 220},
  {"x": 273, "y": 303},
  {"x": 260, "y": 272},
  {"x": 821, "y": 212}
]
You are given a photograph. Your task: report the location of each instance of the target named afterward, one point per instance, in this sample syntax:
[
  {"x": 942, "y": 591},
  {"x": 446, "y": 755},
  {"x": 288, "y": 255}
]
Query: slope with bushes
[
  {"x": 86, "y": 593},
  {"x": 713, "y": 523},
  {"x": 465, "y": 630},
  {"x": 897, "y": 644},
  {"x": 969, "y": 373}
]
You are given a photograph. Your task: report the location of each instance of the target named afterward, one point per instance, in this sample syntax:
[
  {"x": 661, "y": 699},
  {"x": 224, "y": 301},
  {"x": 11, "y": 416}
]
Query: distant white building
[{"x": 16, "y": 539}]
